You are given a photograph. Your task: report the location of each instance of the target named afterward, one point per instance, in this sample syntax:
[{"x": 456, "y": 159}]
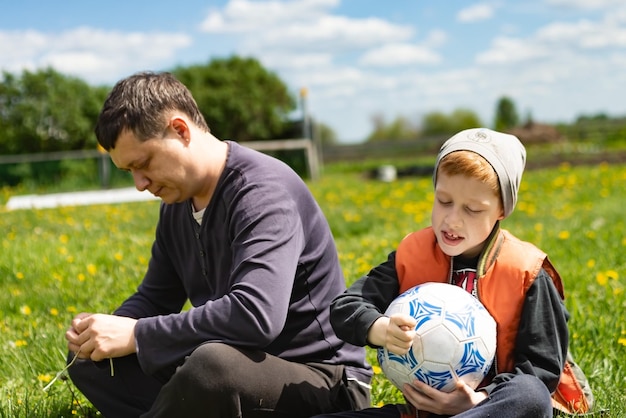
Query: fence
[{"x": 310, "y": 150}]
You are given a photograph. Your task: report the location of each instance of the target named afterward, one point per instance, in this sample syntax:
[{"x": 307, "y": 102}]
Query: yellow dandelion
[
  {"x": 71, "y": 309},
  {"x": 602, "y": 278},
  {"x": 25, "y": 310},
  {"x": 91, "y": 269},
  {"x": 377, "y": 369},
  {"x": 19, "y": 275},
  {"x": 54, "y": 311},
  {"x": 20, "y": 343},
  {"x": 564, "y": 235},
  {"x": 612, "y": 274},
  {"x": 44, "y": 378},
  {"x": 118, "y": 256},
  {"x": 81, "y": 277},
  {"x": 591, "y": 263},
  {"x": 64, "y": 238},
  {"x": 538, "y": 227},
  {"x": 622, "y": 341}
]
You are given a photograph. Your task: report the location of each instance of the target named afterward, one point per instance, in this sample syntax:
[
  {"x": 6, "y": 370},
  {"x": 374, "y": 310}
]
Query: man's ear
[{"x": 180, "y": 126}]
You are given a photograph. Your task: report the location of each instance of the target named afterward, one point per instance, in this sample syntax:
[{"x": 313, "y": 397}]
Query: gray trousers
[
  {"x": 524, "y": 396},
  {"x": 218, "y": 380}
]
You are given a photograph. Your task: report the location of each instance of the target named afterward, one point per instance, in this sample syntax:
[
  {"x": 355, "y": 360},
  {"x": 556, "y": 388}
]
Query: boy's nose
[{"x": 453, "y": 219}]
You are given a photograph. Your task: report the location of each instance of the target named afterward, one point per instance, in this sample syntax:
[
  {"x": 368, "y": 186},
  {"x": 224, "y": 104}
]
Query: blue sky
[{"x": 557, "y": 59}]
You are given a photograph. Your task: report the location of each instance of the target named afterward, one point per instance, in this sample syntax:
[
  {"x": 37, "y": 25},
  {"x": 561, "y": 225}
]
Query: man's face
[
  {"x": 157, "y": 165},
  {"x": 464, "y": 214}
]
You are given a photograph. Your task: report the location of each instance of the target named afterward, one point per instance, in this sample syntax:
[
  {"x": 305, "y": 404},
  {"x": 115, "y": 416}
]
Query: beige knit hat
[{"x": 504, "y": 152}]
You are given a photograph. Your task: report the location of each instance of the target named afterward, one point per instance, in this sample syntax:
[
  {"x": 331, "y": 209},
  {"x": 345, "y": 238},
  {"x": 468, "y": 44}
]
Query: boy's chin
[
  {"x": 450, "y": 251},
  {"x": 459, "y": 251}
]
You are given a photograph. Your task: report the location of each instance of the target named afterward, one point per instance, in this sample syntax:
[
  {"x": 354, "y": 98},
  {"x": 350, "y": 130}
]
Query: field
[{"x": 57, "y": 262}]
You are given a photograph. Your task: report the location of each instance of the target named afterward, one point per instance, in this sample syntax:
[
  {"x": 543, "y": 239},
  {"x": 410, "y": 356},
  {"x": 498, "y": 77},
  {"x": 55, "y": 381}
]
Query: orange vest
[{"x": 419, "y": 259}]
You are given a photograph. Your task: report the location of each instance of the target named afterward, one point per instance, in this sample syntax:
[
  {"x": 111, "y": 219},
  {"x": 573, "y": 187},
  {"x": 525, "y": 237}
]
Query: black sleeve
[
  {"x": 354, "y": 311},
  {"x": 543, "y": 337}
]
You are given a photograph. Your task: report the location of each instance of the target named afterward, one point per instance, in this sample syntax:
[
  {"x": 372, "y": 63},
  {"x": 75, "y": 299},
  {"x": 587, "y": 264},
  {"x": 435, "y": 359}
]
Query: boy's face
[{"x": 464, "y": 214}]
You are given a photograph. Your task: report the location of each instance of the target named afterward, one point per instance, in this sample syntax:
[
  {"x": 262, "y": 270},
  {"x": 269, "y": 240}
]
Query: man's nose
[{"x": 141, "y": 182}]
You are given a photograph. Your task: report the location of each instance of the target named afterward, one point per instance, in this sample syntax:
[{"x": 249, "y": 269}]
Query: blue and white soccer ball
[{"x": 455, "y": 338}]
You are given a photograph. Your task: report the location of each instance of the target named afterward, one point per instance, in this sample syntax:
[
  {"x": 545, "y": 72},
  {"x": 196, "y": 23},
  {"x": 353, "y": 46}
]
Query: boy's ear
[{"x": 501, "y": 216}]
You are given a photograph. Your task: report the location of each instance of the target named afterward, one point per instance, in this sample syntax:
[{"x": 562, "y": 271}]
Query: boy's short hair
[
  {"x": 504, "y": 152},
  {"x": 471, "y": 164}
]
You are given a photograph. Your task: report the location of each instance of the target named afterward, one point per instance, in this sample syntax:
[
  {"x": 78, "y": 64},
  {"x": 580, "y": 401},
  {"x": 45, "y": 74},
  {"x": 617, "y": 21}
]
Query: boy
[{"x": 476, "y": 179}]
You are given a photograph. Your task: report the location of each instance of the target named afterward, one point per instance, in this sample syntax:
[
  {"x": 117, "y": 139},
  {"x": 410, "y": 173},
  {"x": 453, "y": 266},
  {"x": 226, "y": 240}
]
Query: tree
[
  {"x": 239, "y": 98},
  {"x": 400, "y": 129},
  {"x": 438, "y": 123},
  {"x": 324, "y": 134},
  {"x": 464, "y": 119},
  {"x": 46, "y": 111},
  {"x": 506, "y": 115}
]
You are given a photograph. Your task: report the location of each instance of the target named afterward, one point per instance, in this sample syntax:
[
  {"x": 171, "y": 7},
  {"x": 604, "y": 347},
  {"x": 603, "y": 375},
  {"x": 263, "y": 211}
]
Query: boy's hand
[
  {"x": 99, "y": 336},
  {"x": 426, "y": 398},
  {"x": 396, "y": 333}
]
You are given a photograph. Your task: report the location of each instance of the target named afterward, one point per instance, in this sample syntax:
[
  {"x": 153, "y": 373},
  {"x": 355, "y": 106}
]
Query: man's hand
[
  {"x": 99, "y": 336},
  {"x": 425, "y": 398},
  {"x": 395, "y": 333}
]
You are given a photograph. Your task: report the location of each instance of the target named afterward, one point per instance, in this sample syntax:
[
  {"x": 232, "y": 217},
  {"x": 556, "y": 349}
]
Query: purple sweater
[{"x": 260, "y": 272}]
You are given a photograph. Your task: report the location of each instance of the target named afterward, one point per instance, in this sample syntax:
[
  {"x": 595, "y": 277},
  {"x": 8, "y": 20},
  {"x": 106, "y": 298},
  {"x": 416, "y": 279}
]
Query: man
[{"x": 239, "y": 236}]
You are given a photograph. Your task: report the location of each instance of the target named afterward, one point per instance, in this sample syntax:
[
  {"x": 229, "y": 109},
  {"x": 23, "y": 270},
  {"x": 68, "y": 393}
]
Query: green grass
[{"x": 57, "y": 262}]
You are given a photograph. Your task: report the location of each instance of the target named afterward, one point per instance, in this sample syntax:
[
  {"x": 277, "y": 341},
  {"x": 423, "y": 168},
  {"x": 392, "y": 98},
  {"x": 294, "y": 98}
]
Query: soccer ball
[{"x": 455, "y": 338}]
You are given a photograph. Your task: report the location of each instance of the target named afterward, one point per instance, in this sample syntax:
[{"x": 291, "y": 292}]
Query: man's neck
[{"x": 217, "y": 153}]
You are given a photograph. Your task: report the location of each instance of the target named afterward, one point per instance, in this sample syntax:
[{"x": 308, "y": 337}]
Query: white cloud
[
  {"x": 300, "y": 62},
  {"x": 93, "y": 54},
  {"x": 248, "y": 16},
  {"x": 512, "y": 51},
  {"x": 475, "y": 13},
  {"x": 330, "y": 35},
  {"x": 585, "y": 4},
  {"x": 435, "y": 38},
  {"x": 393, "y": 55},
  {"x": 303, "y": 25},
  {"x": 21, "y": 46},
  {"x": 334, "y": 32},
  {"x": 584, "y": 34}
]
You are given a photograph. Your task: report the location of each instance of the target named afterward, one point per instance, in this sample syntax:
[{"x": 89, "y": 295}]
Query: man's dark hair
[{"x": 140, "y": 102}]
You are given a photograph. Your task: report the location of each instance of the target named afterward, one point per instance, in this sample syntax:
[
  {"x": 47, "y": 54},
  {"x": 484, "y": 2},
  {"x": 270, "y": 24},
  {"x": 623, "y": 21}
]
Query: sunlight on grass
[{"x": 55, "y": 263}]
